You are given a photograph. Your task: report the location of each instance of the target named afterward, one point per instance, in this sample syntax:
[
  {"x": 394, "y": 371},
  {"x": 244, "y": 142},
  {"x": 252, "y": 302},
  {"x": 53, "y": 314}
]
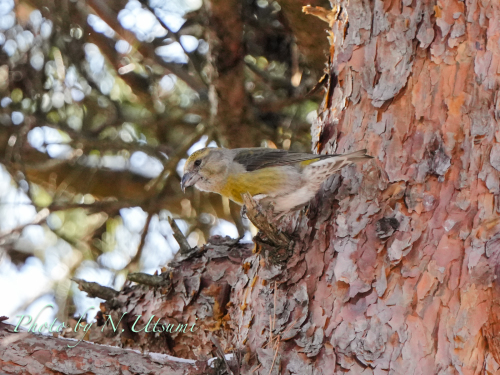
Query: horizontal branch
[
  {"x": 96, "y": 290},
  {"x": 30, "y": 353},
  {"x": 147, "y": 279}
]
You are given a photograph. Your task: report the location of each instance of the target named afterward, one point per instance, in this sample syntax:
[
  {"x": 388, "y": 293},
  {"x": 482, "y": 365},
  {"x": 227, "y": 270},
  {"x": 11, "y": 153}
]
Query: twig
[
  {"x": 270, "y": 328},
  {"x": 63, "y": 186},
  {"x": 96, "y": 290},
  {"x": 290, "y": 326},
  {"x": 274, "y": 307},
  {"x": 171, "y": 165},
  {"x": 87, "y": 143},
  {"x": 258, "y": 367},
  {"x": 195, "y": 61},
  {"x": 275, "y": 355},
  {"x": 179, "y": 237},
  {"x": 221, "y": 353},
  {"x": 106, "y": 206},
  {"x": 135, "y": 260},
  {"x": 272, "y": 320},
  {"x": 147, "y": 279},
  {"x": 103, "y": 11}
]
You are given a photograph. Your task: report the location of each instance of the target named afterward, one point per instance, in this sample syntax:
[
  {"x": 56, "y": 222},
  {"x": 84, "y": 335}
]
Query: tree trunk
[
  {"x": 229, "y": 102},
  {"x": 394, "y": 268}
]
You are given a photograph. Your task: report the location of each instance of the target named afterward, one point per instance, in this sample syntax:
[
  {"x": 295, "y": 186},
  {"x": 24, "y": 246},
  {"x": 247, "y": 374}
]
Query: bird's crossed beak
[{"x": 189, "y": 179}]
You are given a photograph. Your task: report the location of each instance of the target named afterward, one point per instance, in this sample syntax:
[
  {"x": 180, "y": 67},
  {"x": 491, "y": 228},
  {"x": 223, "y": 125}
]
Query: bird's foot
[
  {"x": 243, "y": 212},
  {"x": 277, "y": 215},
  {"x": 264, "y": 221}
]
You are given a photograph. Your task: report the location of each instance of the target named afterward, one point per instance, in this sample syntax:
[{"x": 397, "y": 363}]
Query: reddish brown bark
[
  {"x": 27, "y": 353},
  {"x": 197, "y": 293}
]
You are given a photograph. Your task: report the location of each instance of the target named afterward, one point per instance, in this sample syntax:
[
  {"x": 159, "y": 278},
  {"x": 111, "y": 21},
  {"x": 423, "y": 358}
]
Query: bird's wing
[{"x": 258, "y": 158}]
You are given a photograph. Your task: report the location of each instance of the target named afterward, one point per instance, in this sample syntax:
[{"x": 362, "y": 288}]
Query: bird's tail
[
  {"x": 357, "y": 156},
  {"x": 319, "y": 171}
]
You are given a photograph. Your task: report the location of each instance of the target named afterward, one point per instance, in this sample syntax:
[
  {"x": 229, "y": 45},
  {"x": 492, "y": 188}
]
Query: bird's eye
[{"x": 197, "y": 163}]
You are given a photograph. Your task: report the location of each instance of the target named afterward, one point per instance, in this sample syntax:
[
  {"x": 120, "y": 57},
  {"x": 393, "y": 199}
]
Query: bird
[{"x": 282, "y": 180}]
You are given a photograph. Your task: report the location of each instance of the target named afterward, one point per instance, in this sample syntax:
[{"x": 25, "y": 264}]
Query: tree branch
[
  {"x": 179, "y": 237},
  {"x": 96, "y": 290},
  {"x": 29, "y": 353},
  {"x": 103, "y": 11},
  {"x": 134, "y": 262}
]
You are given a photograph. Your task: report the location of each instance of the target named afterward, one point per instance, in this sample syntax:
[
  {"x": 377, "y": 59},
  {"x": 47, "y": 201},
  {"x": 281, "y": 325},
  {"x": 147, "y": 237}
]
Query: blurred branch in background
[{"x": 100, "y": 104}]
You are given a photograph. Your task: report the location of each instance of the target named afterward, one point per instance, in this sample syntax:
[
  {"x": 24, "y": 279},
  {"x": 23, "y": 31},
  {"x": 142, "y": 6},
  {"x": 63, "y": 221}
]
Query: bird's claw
[{"x": 243, "y": 212}]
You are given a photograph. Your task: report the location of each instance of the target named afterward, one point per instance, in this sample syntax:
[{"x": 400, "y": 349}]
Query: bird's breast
[{"x": 269, "y": 181}]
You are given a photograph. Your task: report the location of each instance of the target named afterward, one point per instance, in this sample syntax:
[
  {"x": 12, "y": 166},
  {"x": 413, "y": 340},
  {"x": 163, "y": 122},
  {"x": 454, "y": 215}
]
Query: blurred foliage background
[{"x": 101, "y": 101}]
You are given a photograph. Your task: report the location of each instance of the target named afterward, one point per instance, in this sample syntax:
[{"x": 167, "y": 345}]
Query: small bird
[{"x": 283, "y": 180}]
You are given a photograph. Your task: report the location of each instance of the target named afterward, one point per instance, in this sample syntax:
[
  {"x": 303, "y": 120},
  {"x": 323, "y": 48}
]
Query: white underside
[
  {"x": 290, "y": 201},
  {"x": 306, "y": 185}
]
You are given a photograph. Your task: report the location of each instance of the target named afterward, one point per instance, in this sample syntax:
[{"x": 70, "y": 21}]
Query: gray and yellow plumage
[{"x": 285, "y": 180}]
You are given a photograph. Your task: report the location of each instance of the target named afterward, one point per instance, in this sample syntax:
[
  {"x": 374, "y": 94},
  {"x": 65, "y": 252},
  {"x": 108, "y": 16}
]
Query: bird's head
[{"x": 206, "y": 169}]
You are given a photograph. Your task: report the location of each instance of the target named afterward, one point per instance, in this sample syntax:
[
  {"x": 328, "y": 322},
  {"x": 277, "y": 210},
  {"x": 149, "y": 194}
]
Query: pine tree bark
[
  {"x": 27, "y": 353},
  {"x": 394, "y": 269}
]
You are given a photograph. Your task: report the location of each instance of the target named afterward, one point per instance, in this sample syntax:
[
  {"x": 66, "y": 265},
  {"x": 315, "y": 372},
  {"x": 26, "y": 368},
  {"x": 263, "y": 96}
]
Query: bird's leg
[
  {"x": 260, "y": 211},
  {"x": 268, "y": 232},
  {"x": 243, "y": 212},
  {"x": 279, "y": 216}
]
